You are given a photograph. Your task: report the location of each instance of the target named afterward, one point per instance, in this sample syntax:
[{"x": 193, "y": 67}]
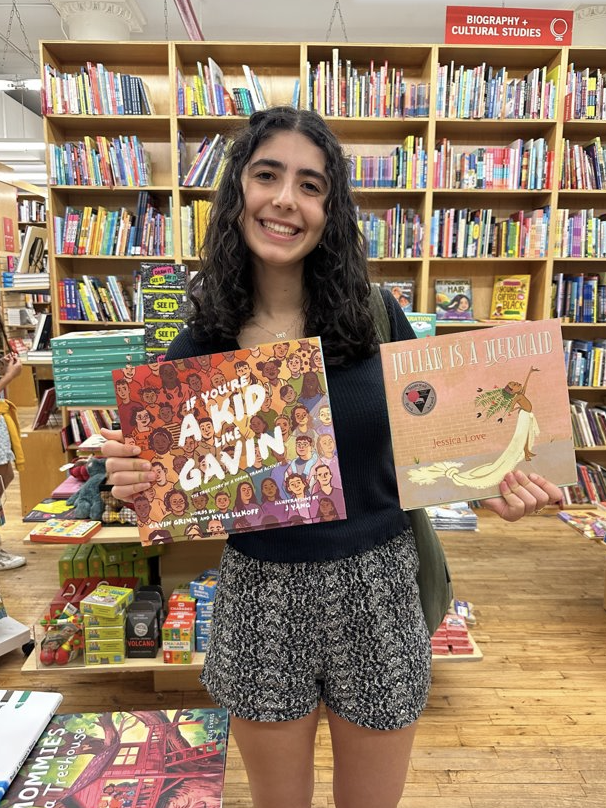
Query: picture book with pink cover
[
  {"x": 468, "y": 407},
  {"x": 239, "y": 441}
]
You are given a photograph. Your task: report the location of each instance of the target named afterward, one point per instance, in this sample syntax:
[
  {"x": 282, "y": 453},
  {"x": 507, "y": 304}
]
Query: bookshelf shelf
[
  {"x": 74, "y": 126},
  {"x": 101, "y": 323}
]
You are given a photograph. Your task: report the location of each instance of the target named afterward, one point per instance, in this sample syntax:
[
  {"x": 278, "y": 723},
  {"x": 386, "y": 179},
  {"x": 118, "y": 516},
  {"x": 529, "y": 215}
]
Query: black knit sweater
[{"x": 359, "y": 409}]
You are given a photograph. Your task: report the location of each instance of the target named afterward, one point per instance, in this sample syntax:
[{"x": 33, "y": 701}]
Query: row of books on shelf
[
  {"x": 466, "y": 233},
  {"x": 522, "y": 165},
  {"x": 335, "y": 87},
  {"x": 487, "y": 92},
  {"x": 585, "y": 362},
  {"x": 207, "y": 166},
  {"x": 194, "y": 221},
  {"x": 398, "y": 233},
  {"x": 580, "y": 234},
  {"x": 579, "y": 298},
  {"x": 590, "y": 485},
  {"x": 588, "y": 423},
  {"x": 583, "y": 166},
  {"x": 339, "y": 88},
  {"x": 585, "y": 97},
  {"x": 94, "y": 90},
  {"x": 404, "y": 167},
  {"x": 94, "y": 299},
  {"x": 206, "y": 93},
  {"x": 102, "y": 231},
  {"x": 83, "y": 423},
  {"x": 31, "y": 210},
  {"x": 100, "y": 161},
  {"x": 454, "y": 298}
]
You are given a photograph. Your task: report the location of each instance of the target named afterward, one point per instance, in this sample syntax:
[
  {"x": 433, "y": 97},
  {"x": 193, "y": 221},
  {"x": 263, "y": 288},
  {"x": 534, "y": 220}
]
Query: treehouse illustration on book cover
[
  {"x": 467, "y": 408},
  {"x": 136, "y": 759},
  {"x": 241, "y": 440}
]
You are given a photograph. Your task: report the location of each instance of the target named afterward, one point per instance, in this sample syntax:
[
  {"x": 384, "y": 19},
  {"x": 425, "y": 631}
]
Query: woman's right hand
[{"x": 126, "y": 472}]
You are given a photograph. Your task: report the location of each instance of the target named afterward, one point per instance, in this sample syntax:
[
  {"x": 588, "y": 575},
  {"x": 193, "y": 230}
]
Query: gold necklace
[{"x": 277, "y": 334}]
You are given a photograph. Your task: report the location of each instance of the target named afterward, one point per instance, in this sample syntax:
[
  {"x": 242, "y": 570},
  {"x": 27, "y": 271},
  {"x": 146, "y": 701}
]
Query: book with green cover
[
  {"x": 120, "y": 337},
  {"x": 151, "y": 758}
]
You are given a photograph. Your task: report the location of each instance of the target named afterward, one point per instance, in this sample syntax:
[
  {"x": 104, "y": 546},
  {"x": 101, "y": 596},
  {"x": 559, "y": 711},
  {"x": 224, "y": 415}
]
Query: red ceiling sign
[{"x": 483, "y": 25}]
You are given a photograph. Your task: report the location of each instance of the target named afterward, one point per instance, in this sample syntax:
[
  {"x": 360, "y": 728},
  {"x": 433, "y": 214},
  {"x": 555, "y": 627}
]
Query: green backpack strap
[
  {"x": 379, "y": 314},
  {"x": 433, "y": 578}
]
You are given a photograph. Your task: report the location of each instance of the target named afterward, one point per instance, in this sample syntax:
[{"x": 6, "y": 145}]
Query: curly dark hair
[{"x": 335, "y": 278}]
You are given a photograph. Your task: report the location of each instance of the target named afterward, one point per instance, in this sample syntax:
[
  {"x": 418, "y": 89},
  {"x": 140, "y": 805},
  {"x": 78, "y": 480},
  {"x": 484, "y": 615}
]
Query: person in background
[
  {"x": 313, "y": 612},
  {"x": 10, "y": 447}
]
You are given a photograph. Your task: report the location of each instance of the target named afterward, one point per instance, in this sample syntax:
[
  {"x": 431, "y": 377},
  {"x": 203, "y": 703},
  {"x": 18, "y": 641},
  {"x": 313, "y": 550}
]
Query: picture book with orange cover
[
  {"x": 466, "y": 408},
  {"x": 239, "y": 441}
]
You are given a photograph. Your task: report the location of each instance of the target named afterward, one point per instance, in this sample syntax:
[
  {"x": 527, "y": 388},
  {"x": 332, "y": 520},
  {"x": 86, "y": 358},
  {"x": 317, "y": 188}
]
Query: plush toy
[{"x": 87, "y": 499}]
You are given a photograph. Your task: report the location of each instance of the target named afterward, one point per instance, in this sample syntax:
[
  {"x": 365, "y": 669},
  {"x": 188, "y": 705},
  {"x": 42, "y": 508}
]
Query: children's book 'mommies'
[
  {"x": 467, "y": 408},
  {"x": 241, "y": 440},
  {"x": 135, "y": 759}
]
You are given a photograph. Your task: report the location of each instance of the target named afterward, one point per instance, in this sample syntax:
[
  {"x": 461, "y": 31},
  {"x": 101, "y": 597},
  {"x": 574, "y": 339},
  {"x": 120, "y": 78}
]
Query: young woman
[
  {"x": 332, "y": 611},
  {"x": 10, "y": 368}
]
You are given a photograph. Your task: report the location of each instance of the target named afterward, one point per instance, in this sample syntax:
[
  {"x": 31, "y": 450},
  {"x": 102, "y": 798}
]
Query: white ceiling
[{"x": 258, "y": 20}]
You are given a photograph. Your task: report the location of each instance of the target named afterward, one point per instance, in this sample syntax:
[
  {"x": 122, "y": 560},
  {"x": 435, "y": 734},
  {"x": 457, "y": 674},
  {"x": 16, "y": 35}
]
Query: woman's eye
[
  {"x": 264, "y": 175},
  {"x": 310, "y": 187}
]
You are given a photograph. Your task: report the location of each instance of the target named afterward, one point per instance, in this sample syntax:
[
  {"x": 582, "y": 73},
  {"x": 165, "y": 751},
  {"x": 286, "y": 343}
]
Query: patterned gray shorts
[{"x": 349, "y": 632}]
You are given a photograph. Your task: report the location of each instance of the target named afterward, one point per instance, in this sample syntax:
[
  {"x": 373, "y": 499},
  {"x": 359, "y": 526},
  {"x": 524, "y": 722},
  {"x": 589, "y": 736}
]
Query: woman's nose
[{"x": 284, "y": 196}]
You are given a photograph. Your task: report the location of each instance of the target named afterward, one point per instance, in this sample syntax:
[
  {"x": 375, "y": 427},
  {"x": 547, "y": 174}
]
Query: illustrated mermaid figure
[{"x": 502, "y": 401}]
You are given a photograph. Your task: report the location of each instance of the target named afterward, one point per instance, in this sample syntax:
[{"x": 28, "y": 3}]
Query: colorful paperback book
[
  {"x": 113, "y": 339},
  {"x": 467, "y": 408},
  {"x": 163, "y": 275},
  {"x": 424, "y": 325},
  {"x": 240, "y": 441},
  {"x": 24, "y": 715},
  {"x": 65, "y": 531},
  {"x": 151, "y": 758},
  {"x": 590, "y": 522},
  {"x": 454, "y": 300},
  {"x": 50, "y": 509},
  {"x": 510, "y": 297}
]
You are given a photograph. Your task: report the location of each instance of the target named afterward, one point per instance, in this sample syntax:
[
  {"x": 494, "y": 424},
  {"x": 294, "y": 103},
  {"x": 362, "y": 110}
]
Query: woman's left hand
[{"x": 522, "y": 495}]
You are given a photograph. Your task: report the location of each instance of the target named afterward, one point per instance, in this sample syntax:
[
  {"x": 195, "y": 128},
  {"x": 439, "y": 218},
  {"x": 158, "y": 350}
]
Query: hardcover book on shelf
[
  {"x": 467, "y": 408},
  {"x": 242, "y": 441},
  {"x": 454, "y": 300},
  {"x": 510, "y": 297},
  {"x": 24, "y": 715},
  {"x": 151, "y": 758},
  {"x": 403, "y": 291},
  {"x": 424, "y": 325}
]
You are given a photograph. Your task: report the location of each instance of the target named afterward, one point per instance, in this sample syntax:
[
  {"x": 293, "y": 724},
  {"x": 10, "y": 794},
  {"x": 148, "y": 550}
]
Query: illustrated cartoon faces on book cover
[
  {"x": 137, "y": 759},
  {"x": 467, "y": 408},
  {"x": 241, "y": 440}
]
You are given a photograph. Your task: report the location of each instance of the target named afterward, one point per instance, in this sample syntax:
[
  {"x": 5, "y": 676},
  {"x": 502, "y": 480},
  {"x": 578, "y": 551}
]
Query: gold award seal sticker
[{"x": 419, "y": 398}]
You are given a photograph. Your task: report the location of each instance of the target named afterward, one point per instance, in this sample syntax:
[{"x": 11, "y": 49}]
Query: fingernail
[
  {"x": 146, "y": 465},
  {"x": 533, "y": 477},
  {"x": 136, "y": 450},
  {"x": 151, "y": 476}
]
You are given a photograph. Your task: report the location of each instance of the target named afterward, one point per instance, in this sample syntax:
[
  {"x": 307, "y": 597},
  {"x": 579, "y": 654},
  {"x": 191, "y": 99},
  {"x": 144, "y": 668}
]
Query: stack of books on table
[
  {"x": 25, "y": 280},
  {"x": 83, "y": 362},
  {"x": 454, "y": 516}
]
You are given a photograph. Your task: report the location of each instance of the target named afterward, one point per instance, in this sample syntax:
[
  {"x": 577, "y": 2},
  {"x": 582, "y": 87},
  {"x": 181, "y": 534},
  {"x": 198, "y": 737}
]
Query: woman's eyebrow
[{"x": 305, "y": 172}]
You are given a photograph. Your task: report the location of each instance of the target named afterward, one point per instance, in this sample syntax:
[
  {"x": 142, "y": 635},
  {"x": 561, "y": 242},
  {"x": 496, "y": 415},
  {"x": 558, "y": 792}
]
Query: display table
[{"x": 179, "y": 563}]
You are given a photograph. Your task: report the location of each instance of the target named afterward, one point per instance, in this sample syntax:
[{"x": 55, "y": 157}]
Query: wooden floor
[{"x": 524, "y": 728}]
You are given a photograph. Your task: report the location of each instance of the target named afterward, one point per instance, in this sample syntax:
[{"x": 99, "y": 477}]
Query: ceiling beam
[{"x": 188, "y": 18}]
